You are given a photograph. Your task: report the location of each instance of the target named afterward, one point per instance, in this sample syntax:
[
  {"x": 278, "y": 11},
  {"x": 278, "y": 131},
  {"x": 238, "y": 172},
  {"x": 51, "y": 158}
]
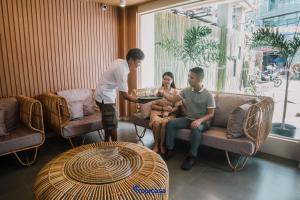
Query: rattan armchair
[
  {"x": 29, "y": 135},
  {"x": 57, "y": 119}
]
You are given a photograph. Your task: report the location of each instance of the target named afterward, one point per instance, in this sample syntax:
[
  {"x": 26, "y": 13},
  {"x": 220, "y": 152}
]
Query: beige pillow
[
  {"x": 145, "y": 110},
  {"x": 225, "y": 104},
  {"x": 236, "y": 120},
  {"x": 3, "y": 131},
  {"x": 89, "y": 105},
  {"x": 76, "y": 109},
  {"x": 11, "y": 113}
]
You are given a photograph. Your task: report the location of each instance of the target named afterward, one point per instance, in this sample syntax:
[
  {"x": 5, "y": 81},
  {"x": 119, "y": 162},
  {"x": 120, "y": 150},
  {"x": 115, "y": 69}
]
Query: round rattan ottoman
[{"x": 104, "y": 171}]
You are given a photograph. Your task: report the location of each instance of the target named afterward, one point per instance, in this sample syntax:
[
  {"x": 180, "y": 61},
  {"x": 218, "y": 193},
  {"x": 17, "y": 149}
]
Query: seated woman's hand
[
  {"x": 167, "y": 108},
  {"x": 165, "y": 114}
]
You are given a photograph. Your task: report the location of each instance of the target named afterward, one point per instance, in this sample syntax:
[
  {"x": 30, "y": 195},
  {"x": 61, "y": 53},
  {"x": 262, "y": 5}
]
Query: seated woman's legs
[
  {"x": 156, "y": 131},
  {"x": 162, "y": 136}
]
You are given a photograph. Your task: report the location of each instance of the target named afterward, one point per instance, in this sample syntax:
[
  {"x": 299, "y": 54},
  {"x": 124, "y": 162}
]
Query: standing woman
[{"x": 161, "y": 112}]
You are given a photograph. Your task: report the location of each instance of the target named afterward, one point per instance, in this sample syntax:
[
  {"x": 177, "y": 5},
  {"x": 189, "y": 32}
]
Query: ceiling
[{"x": 117, "y": 2}]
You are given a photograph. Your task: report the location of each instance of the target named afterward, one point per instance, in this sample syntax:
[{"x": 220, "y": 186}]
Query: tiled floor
[{"x": 264, "y": 177}]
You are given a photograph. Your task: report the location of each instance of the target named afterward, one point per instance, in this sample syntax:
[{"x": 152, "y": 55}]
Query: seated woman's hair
[{"x": 170, "y": 74}]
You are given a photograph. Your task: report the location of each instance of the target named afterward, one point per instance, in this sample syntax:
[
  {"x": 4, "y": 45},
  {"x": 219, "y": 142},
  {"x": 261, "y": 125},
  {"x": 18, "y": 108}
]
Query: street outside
[{"x": 293, "y": 106}]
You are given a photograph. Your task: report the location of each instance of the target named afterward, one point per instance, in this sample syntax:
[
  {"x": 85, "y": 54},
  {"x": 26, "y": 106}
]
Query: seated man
[{"x": 199, "y": 107}]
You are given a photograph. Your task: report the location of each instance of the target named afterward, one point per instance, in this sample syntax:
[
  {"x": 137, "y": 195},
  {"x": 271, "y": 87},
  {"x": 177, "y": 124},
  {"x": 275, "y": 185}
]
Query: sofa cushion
[
  {"x": 216, "y": 137},
  {"x": 84, "y": 95},
  {"x": 87, "y": 124},
  {"x": 236, "y": 121},
  {"x": 139, "y": 120},
  {"x": 225, "y": 104},
  {"x": 3, "y": 130},
  {"x": 11, "y": 112},
  {"x": 19, "y": 138}
]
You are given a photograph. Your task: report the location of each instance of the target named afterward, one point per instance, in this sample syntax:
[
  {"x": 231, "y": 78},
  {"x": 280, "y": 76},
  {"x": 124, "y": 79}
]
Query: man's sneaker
[
  {"x": 188, "y": 163},
  {"x": 169, "y": 154}
]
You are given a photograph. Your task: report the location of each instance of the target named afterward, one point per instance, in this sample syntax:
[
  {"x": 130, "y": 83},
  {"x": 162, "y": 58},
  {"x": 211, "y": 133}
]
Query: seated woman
[{"x": 162, "y": 111}]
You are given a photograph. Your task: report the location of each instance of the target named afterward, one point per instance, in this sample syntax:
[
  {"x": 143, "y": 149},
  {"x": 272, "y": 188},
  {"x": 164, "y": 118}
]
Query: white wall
[{"x": 148, "y": 46}]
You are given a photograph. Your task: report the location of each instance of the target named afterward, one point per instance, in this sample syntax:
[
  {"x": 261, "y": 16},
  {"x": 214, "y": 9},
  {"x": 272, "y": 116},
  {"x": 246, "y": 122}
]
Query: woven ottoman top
[{"x": 113, "y": 170}]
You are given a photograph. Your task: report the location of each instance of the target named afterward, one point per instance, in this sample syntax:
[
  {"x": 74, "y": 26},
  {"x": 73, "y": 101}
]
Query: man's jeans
[{"x": 183, "y": 123}]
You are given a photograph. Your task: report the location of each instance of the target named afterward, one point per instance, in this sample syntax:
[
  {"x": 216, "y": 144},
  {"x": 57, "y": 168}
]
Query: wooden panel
[
  {"x": 128, "y": 29},
  {"x": 117, "y": 2},
  {"x": 50, "y": 45}
]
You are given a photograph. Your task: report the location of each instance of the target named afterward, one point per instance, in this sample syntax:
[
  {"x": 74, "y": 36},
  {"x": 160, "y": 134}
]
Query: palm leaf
[
  {"x": 271, "y": 38},
  {"x": 294, "y": 44},
  {"x": 197, "y": 48}
]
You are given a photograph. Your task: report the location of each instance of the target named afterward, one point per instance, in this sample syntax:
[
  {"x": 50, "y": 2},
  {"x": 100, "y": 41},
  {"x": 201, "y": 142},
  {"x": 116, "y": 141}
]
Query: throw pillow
[
  {"x": 76, "y": 109},
  {"x": 89, "y": 105},
  {"x": 145, "y": 110},
  {"x": 236, "y": 121},
  {"x": 3, "y": 131},
  {"x": 11, "y": 113}
]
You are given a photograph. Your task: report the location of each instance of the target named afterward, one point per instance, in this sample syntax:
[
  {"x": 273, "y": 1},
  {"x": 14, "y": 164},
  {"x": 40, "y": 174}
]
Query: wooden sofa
[
  {"x": 57, "y": 119},
  {"x": 29, "y": 134},
  {"x": 256, "y": 126}
]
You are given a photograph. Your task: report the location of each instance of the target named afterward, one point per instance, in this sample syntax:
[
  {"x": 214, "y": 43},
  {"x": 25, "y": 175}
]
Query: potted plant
[{"x": 286, "y": 48}]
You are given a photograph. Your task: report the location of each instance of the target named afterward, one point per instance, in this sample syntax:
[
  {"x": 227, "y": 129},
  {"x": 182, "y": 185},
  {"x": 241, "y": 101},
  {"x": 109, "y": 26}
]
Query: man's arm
[
  {"x": 129, "y": 97},
  {"x": 207, "y": 117}
]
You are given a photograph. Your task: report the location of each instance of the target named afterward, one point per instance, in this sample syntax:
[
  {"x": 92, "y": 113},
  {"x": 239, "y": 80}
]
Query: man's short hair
[
  {"x": 198, "y": 71},
  {"x": 135, "y": 54}
]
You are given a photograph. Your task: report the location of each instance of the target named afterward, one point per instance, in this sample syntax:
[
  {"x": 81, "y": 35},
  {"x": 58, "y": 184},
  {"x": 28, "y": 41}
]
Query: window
[{"x": 234, "y": 67}]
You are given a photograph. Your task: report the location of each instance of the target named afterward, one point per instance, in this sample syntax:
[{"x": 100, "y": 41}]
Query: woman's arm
[{"x": 155, "y": 106}]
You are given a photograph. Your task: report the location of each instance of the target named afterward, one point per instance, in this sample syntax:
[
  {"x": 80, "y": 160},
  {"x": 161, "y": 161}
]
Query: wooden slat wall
[
  {"x": 128, "y": 29},
  {"x": 50, "y": 45}
]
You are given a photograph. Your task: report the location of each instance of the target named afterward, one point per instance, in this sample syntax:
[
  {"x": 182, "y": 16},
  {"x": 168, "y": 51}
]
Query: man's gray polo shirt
[{"x": 196, "y": 103}]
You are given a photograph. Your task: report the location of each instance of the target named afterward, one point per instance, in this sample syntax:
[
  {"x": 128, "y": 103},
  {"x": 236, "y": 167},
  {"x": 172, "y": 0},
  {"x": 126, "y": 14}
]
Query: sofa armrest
[
  {"x": 31, "y": 113},
  {"x": 258, "y": 123},
  {"x": 56, "y": 111}
]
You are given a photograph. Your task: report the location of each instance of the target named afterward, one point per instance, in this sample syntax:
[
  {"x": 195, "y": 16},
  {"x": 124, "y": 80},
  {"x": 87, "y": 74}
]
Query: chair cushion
[
  {"x": 3, "y": 130},
  {"x": 139, "y": 120},
  {"x": 11, "y": 113},
  {"x": 225, "y": 104},
  {"x": 85, "y": 125},
  {"x": 19, "y": 138},
  {"x": 216, "y": 137},
  {"x": 236, "y": 120}
]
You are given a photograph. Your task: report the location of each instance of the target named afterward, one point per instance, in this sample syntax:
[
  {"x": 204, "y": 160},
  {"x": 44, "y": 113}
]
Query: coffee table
[{"x": 105, "y": 170}]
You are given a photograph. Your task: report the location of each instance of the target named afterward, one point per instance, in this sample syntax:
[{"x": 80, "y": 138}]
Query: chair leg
[
  {"x": 239, "y": 165},
  {"x": 83, "y": 140},
  {"x": 140, "y": 135},
  {"x": 101, "y": 134},
  {"x": 28, "y": 162},
  {"x": 70, "y": 140}
]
